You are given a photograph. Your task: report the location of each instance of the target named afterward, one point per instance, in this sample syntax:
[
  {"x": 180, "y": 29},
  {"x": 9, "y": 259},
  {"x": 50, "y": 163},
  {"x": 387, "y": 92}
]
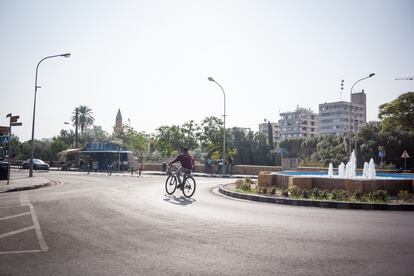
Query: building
[
  {"x": 273, "y": 127},
  {"x": 334, "y": 117},
  {"x": 299, "y": 123},
  {"x": 118, "y": 123},
  {"x": 98, "y": 156}
]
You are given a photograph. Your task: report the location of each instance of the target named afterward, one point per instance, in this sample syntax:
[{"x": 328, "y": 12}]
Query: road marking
[
  {"x": 39, "y": 235},
  {"x": 21, "y": 251},
  {"x": 16, "y": 232},
  {"x": 15, "y": 216},
  {"x": 11, "y": 206},
  {"x": 24, "y": 201}
]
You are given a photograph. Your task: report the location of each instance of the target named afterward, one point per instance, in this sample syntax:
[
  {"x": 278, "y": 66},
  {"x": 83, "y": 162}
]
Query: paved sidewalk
[{"x": 20, "y": 181}]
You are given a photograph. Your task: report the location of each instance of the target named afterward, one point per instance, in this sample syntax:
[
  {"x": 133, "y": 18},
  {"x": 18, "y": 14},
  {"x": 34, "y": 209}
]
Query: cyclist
[{"x": 187, "y": 163}]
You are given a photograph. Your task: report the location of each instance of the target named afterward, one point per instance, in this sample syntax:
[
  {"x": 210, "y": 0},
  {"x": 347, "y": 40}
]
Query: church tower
[
  {"x": 118, "y": 123},
  {"x": 118, "y": 120}
]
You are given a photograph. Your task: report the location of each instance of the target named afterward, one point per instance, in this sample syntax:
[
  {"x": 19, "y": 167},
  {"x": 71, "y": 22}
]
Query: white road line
[
  {"x": 16, "y": 232},
  {"x": 24, "y": 200},
  {"x": 15, "y": 216},
  {"x": 39, "y": 235},
  {"x": 19, "y": 252},
  {"x": 11, "y": 206}
]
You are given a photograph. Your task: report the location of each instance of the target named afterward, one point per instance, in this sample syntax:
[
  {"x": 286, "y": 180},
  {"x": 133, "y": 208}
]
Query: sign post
[
  {"x": 405, "y": 156},
  {"x": 13, "y": 122}
]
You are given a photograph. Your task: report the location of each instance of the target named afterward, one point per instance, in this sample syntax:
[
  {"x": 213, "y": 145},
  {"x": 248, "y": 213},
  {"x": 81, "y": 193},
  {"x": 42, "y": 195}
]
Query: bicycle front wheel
[
  {"x": 171, "y": 184},
  {"x": 189, "y": 186}
]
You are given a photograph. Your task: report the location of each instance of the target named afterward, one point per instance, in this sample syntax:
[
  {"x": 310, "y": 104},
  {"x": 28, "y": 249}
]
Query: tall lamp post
[
  {"x": 34, "y": 109},
  {"x": 224, "y": 125},
  {"x": 350, "y": 111}
]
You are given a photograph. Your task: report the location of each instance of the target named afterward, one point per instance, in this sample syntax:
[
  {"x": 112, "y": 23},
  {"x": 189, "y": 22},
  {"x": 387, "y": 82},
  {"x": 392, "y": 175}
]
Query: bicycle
[{"x": 171, "y": 183}]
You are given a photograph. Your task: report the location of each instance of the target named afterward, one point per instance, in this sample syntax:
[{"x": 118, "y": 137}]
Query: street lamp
[
  {"x": 66, "y": 55},
  {"x": 350, "y": 112},
  {"x": 224, "y": 128}
]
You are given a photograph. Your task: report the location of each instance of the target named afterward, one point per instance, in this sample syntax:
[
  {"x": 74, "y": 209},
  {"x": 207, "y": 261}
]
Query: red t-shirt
[{"x": 185, "y": 159}]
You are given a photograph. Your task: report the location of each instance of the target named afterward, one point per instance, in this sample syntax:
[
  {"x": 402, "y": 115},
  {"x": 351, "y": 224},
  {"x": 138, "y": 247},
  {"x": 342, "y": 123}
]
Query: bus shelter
[{"x": 99, "y": 156}]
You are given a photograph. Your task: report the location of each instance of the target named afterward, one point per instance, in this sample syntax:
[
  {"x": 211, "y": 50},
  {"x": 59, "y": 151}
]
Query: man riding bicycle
[{"x": 187, "y": 163}]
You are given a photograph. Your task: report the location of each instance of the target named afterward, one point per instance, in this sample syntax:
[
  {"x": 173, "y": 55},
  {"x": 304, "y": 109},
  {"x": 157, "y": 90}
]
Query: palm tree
[{"x": 85, "y": 118}]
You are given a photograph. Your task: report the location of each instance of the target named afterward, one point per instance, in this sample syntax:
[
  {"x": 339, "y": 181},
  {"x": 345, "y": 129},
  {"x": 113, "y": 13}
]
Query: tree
[
  {"x": 95, "y": 134},
  {"x": 57, "y": 146},
  {"x": 398, "y": 114},
  {"x": 190, "y": 132},
  {"x": 67, "y": 136},
  {"x": 85, "y": 118},
  {"x": 250, "y": 148},
  {"x": 169, "y": 139},
  {"x": 211, "y": 136}
]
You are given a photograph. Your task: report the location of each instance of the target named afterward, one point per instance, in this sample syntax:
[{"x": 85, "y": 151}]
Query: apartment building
[
  {"x": 338, "y": 117},
  {"x": 302, "y": 122},
  {"x": 275, "y": 128}
]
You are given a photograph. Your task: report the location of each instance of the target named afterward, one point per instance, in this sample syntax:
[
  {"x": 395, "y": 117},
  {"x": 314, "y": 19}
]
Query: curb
[
  {"x": 32, "y": 187},
  {"x": 315, "y": 203},
  {"x": 163, "y": 173}
]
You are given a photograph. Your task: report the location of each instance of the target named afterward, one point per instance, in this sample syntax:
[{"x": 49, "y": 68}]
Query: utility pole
[
  {"x": 13, "y": 122},
  {"x": 76, "y": 126}
]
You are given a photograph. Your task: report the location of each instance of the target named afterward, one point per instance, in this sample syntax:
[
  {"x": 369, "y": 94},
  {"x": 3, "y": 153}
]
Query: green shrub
[
  {"x": 340, "y": 195},
  {"x": 318, "y": 194},
  {"x": 306, "y": 193},
  {"x": 285, "y": 192},
  {"x": 243, "y": 185},
  {"x": 295, "y": 192},
  {"x": 379, "y": 196},
  {"x": 404, "y": 195},
  {"x": 248, "y": 180},
  {"x": 358, "y": 196}
]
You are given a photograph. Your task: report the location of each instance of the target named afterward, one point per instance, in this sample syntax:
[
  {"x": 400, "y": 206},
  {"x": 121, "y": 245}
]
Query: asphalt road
[{"x": 121, "y": 225}]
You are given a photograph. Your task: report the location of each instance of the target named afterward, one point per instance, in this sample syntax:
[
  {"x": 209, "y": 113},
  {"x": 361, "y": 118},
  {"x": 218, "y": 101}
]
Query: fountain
[
  {"x": 341, "y": 170},
  {"x": 371, "y": 169},
  {"x": 330, "y": 170},
  {"x": 350, "y": 169},
  {"x": 347, "y": 179}
]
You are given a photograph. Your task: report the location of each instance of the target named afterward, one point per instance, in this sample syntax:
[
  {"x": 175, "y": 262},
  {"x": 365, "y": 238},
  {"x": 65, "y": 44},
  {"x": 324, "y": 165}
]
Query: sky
[{"x": 152, "y": 59}]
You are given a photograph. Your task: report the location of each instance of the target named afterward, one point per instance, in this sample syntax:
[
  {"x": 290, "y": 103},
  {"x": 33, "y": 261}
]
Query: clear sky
[{"x": 152, "y": 58}]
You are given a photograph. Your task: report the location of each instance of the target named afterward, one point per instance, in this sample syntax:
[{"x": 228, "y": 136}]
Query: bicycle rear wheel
[
  {"x": 189, "y": 186},
  {"x": 171, "y": 184}
]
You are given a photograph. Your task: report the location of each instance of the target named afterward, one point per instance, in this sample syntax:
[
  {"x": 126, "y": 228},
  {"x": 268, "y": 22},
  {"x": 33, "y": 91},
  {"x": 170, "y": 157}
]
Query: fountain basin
[{"x": 305, "y": 180}]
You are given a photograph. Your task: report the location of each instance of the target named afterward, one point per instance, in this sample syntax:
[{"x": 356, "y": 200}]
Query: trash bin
[
  {"x": 164, "y": 166},
  {"x": 3, "y": 170}
]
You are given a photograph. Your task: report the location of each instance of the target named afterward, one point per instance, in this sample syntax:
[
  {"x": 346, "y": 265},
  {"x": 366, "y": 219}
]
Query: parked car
[{"x": 37, "y": 164}]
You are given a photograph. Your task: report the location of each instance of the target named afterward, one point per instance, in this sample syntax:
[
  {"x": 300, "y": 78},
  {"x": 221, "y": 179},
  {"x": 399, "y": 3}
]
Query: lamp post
[
  {"x": 34, "y": 108},
  {"x": 350, "y": 111},
  {"x": 224, "y": 124},
  {"x": 76, "y": 130}
]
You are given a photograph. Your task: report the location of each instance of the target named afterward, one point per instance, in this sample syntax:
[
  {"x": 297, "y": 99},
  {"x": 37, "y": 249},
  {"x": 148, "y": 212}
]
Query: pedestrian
[
  {"x": 81, "y": 165},
  {"x": 209, "y": 165},
  {"x": 109, "y": 168},
  {"x": 229, "y": 165},
  {"x": 220, "y": 166}
]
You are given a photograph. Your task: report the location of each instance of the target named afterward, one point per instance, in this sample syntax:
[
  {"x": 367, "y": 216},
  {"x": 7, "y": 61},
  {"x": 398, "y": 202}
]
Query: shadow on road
[{"x": 181, "y": 200}]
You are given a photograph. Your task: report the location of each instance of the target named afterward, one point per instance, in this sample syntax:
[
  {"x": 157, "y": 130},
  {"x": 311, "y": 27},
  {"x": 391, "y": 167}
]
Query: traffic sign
[
  {"x": 16, "y": 124},
  {"x": 14, "y": 119},
  {"x": 405, "y": 154},
  {"x": 4, "y": 130},
  {"x": 5, "y": 139}
]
